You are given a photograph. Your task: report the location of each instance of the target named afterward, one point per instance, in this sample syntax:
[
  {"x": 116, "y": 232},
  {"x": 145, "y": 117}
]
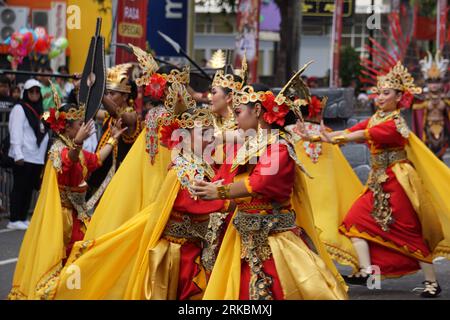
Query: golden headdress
[
  {"x": 117, "y": 78},
  {"x": 398, "y": 78},
  {"x": 295, "y": 92},
  {"x": 182, "y": 109},
  {"x": 434, "y": 69},
  {"x": 56, "y": 118},
  {"x": 180, "y": 106},
  {"x": 243, "y": 71},
  {"x": 147, "y": 63},
  {"x": 227, "y": 80},
  {"x": 293, "y": 95},
  {"x": 178, "y": 76}
]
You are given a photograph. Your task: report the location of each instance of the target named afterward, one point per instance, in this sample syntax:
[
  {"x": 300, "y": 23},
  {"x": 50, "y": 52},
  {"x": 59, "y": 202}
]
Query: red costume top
[
  {"x": 272, "y": 178},
  {"x": 75, "y": 173}
]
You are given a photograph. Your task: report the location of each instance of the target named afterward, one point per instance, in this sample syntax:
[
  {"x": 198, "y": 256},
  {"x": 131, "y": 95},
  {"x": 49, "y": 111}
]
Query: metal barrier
[{"x": 6, "y": 177}]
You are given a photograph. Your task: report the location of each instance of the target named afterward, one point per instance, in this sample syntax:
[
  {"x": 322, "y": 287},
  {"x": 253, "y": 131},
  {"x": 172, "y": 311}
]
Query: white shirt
[
  {"x": 90, "y": 144},
  {"x": 23, "y": 140}
]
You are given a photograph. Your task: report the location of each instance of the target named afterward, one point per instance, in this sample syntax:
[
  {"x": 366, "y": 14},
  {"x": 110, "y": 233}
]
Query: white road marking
[
  {"x": 6, "y": 230},
  {"x": 9, "y": 261}
]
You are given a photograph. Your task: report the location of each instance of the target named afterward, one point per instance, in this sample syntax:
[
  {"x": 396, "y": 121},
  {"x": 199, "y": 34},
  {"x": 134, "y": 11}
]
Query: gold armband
[
  {"x": 315, "y": 138},
  {"x": 112, "y": 141},
  {"x": 339, "y": 139},
  {"x": 224, "y": 191}
]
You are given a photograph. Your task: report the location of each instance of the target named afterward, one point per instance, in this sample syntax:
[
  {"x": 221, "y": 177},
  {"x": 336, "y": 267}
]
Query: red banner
[
  {"x": 247, "y": 40},
  {"x": 441, "y": 19},
  {"x": 131, "y": 27},
  {"x": 336, "y": 44}
]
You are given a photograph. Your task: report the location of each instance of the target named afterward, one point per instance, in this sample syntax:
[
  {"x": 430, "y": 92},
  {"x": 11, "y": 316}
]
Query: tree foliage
[{"x": 350, "y": 66}]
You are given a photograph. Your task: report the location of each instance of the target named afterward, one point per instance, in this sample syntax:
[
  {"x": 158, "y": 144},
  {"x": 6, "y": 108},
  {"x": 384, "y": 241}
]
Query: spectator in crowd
[
  {"x": 5, "y": 93},
  {"x": 65, "y": 85},
  {"x": 16, "y": 93},
  {"x": 12, "y": 79},
  {"x": 29, "y": 140},
  {"x": 46, "y": 89}
]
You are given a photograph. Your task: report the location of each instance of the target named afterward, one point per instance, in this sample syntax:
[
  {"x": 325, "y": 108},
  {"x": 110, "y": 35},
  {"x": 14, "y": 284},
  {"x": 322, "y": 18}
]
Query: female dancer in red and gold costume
[
  {"x": 265, "y": 254},
  {"x": 400, "y": 222},
  {"x": 167, "y": 249},
  {"x": 61, "y": 214}
]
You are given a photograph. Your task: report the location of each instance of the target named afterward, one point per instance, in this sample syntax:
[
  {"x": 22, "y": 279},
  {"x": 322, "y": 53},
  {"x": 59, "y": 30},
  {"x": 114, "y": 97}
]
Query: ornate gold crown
[
  {"x": 180, "y": 76},
  {"x": 295, "y": 92},
  {"x": 183, "y": 110},
  {"x": 243, "y": 72},
  {"x": 76, "y": 113},
  {"x": 117, "y": 78},
  {"x": 71, "y": 114},
  {"x": 434, "y": 69},
  {"x": 172, "y": 102},
  {"x": 399, "y": 79},
  {"x": 226, "y": 81},
  {"x": 147, "y": 64},
  {"x": 196, "y": 118},
  {"x": 201, "y": 117},
  {"x": 247, "y": 95}
]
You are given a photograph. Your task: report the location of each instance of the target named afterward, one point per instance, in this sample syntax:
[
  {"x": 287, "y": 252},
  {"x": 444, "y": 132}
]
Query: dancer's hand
[
  {"x": 117, "y": 130},
  {"x": 85, "y": 131},
  {"x": 325, "y": 135},
  {"x": 206, "y": 190}
]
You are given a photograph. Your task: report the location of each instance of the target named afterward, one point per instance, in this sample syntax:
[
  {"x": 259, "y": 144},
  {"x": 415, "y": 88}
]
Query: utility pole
[{"x": 288, "y": 55}]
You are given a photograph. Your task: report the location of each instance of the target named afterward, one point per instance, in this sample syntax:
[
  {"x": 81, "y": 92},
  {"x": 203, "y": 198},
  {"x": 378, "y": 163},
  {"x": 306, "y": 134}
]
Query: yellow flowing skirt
[{"x": 332, "y": 191}]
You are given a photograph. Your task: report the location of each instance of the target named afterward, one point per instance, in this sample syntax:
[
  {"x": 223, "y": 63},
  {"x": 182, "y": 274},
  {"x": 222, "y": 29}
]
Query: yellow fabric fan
[{"x": 134, "y": 186}]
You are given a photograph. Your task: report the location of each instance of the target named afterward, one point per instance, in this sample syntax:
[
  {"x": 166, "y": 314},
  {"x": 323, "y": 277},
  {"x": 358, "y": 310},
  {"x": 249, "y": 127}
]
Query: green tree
[{"x": 350, "y": 66}]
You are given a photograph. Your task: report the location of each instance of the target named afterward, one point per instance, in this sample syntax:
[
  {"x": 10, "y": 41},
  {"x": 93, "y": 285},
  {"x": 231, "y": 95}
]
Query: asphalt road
[{"x": 392, "y": 289}]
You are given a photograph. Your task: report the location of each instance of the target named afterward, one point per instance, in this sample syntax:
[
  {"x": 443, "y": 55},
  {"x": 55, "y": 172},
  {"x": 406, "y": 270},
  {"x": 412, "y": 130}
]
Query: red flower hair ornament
[
  {"x": 56, "y": 120},
  {"x": 315, "y": 107},
  {"x": 406, "y": 100},
  {"x": 275, "y": 113},
  {"x": 156, "y": 87}
]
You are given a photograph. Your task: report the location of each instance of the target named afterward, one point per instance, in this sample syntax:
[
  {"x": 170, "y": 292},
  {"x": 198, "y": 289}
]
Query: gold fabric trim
[
  {"x": 254, "y": 230},
  {"x": 161, "y": 279}
]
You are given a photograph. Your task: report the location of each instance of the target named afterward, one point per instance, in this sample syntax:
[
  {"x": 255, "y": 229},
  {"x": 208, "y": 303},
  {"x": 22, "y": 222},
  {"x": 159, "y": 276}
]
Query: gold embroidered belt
[
  {"x": 74, "y": 198},
  {"x": 387, "y": 158},
  {"x": 196, "y": 228},
  {"x": 187, "y": 228},
  {"x": 254, "y": 230},
  {"x": 382, "y": 211}
]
